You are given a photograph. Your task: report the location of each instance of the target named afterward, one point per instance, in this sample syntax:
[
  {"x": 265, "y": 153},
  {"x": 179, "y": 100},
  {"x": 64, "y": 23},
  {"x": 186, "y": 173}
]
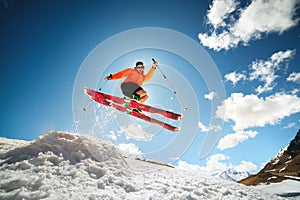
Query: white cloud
[
  {"x": 264, "y": 71},
  {"x": 205, "y": 129},
  {"x": 210, "y": 96},
  {"x": 249, "y": 111},
  {"x": 291, "y": 125},
  {"x": 265, "y": 16},
  {"x": 136, "y": 132},
  {"x": 295, "y": 77},
  {"x": 191, "y": 167},
  {"x": 220, "y": 10},
  {"x": 260, "y": 17},
  {"x": 232, "y": 140},
  {"x": 295, "y": 91},
  {"x": 224, "y": 40},
  {"x": 130, "y": 150},
  {"x": 245, "y": 166},
  {"x": 235, "y": 77},
  {"x": 213, "y": 165},
  {"x": 216, "y": 164},
  {"x": 281, "y": 56}
]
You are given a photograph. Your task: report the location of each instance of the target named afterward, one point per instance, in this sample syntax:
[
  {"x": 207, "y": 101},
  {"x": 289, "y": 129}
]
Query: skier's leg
[
  {"x": 143, "y": 95},
  {"x": 134, "y": 91},
  {"x": 129, "y": 88}
]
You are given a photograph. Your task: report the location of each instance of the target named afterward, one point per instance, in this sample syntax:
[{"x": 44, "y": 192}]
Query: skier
[{"x": 135, "y": 77}]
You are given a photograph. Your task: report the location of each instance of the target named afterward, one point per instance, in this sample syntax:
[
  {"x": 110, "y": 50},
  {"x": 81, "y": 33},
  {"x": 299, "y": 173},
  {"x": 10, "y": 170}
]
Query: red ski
[
  {"x": 133, "y": 104},
  {"x": 118, "y": 103}
]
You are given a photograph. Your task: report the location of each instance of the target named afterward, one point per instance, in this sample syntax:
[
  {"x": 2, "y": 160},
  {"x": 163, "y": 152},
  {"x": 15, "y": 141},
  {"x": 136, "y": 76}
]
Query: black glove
[{"x": 108, "y": 77}]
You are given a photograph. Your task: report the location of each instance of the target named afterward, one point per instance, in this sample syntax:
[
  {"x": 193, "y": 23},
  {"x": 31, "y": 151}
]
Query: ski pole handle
[{"x": 154, "y": 63}]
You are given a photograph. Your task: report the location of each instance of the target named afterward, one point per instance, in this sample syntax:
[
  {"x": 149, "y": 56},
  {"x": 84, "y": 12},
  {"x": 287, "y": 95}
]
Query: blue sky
[{"x": 254, "y": 47}]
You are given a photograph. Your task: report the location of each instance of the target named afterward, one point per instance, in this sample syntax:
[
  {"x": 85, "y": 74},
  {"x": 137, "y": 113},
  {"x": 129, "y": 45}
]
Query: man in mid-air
[{"x": 132, "y": 85}]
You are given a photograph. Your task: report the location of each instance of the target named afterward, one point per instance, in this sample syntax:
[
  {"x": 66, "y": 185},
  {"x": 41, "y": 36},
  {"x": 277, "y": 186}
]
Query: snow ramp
[{"x": 58, "y": 165}]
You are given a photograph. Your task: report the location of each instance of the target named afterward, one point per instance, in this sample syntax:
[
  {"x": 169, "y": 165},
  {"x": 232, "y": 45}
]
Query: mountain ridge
[{"x": 284, "y": 166}]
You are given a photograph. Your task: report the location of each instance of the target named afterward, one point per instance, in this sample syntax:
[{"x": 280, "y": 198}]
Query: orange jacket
[{"x": 133, "y": 75}]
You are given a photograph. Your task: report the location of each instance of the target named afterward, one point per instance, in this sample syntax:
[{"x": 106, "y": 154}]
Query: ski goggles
[{"x": 140, "y": 67}]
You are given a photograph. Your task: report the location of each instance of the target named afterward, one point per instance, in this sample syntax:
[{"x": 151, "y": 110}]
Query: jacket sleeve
[
  {"x": 149, "y": 75},
  {"x": 121, "y": 74}
]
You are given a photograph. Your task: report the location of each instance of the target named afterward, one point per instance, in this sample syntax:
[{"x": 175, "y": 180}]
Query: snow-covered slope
[{"x": 59, "y": 166}]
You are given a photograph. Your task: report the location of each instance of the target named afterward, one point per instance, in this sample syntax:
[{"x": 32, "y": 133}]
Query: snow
[
  {"x": 286, "y": 188},
  {"x": 7, "y": 144},
  {"x": 67, "y": 166},
  {"x": 272, "y": 170},
  {"x": 281, "y": 152},
  {"x": 282, "y": 169},
  {"x": 272, "y": 177},
  {"x": 293, "y": 177}
]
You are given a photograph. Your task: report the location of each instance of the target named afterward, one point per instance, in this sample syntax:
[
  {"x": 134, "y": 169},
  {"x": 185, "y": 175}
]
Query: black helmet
[{"x": 139, "y": 63}]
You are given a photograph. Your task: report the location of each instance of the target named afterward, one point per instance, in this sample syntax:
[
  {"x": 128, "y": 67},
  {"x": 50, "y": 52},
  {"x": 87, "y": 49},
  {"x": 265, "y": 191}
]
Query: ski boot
[{"x": 127, "y": 101}]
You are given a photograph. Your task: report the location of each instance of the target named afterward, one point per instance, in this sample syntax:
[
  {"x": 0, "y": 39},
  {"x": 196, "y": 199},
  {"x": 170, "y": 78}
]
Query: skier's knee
[
  {"x": 145, "y": 93},
  {"x": 141, "y": 93},
  {"x": 145, "y": 97}
]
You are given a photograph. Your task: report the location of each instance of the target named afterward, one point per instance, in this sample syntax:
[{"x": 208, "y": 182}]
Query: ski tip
[
  {"x": 173, "y": 128},
  {"x": 85, "y": 89},
  {"x": 86, "y": 92},
  {"x": 176, "y": 129},
  {"x": 179, "y": 117}
]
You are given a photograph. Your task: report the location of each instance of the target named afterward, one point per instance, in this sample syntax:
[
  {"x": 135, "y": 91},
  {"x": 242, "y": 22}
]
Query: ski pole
[
  {"x": 171, "y": 86},
  {"x": 85, "y": 108}
]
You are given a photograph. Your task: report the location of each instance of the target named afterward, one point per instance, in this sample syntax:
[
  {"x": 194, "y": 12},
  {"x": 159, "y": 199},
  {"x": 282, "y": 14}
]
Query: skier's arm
[
  {"x": 151, "y": 71},
  {"x": 118, "y": 75}
]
